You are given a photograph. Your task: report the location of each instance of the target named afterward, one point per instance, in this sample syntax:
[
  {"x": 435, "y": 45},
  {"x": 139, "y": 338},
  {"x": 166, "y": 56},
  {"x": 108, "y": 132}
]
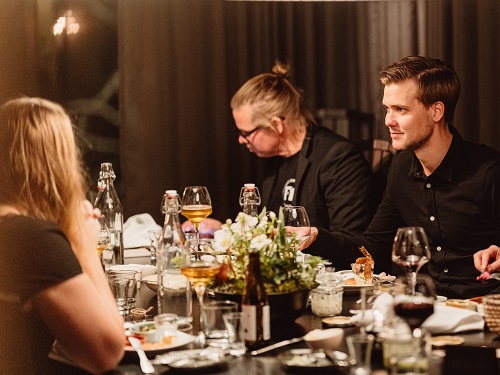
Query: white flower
[
  {"x": 244, "y": 222},
  {"x": 222, "y": 239},
  {"x": 259, "y": 242}
]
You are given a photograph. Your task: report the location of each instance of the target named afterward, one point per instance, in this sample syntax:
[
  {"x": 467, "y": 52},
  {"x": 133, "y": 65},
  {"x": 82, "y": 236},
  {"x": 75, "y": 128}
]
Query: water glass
[
  {"x": 410, "y": 355},
  {"x": 166, "y": 324},
  {"x": 360, "y": 352},
  {"x": 234, "y": 329},
  {"x": 214, "y": 327},
  {"x": 123, "y": 284}
]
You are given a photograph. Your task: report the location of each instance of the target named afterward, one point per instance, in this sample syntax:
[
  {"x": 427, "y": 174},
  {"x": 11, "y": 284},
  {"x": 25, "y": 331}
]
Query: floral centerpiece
[{"x": 266, "y": 233}]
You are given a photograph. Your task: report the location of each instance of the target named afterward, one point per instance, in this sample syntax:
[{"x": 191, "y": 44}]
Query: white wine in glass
[
  {"x": 411, "y": 251},
  {"x": 196, "y": 207},
  {"x": 199, "y": 270}
]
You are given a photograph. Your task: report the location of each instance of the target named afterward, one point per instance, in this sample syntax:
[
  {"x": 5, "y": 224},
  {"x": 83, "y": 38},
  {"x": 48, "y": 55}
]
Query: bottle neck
[{"x": 253, "y": 272}]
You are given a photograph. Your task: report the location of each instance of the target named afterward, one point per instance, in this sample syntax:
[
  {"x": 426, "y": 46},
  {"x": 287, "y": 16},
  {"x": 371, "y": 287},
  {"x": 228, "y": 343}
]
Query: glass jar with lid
[{"x": 326, "y": 299}]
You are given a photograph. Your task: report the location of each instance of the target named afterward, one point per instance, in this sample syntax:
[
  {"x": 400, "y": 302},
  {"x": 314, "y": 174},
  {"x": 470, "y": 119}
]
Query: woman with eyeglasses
[{"x": 306, "y": 164}]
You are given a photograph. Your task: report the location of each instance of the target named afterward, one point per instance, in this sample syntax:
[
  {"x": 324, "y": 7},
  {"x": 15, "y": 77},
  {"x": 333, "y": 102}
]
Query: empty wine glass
[
  {"x": 411, "y": 251},
  {"x": 196, "y": 207},
  {"x": 297, "y": 222},
  {"x": 103, "y": 239},
  {"x": 154, "y": 236}
]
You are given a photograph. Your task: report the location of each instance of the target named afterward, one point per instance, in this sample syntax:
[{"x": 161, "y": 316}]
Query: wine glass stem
[
  {"x": 196, "y": 241},
  {"x": 412, "y": 282},
  {"x": 200, "y": 293}
]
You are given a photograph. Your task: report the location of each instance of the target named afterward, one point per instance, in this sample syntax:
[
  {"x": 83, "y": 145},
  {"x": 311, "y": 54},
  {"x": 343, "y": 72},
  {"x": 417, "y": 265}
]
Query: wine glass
[
  {"x": 297, "y": 221},
  {"x": 411, "y": 251},
  {"x": 199, "y": 268},
  {"x": 154, "y": 237},
  {"x": 196, "y": 207},
  {"x": 103, "y": 239},
  {"x": 414, "y": 300}
]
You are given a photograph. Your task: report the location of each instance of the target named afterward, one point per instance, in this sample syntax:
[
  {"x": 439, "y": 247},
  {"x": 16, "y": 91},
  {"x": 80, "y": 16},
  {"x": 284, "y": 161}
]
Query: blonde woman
[{"x": 52, "y": 285}]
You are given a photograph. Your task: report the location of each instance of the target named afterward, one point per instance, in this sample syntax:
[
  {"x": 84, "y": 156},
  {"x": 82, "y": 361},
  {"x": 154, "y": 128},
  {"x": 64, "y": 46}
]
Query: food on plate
[
  {"x": 385, "y": 276},
  {"x": 363, "y": 268},
  {"x": 350, "y": 281}
]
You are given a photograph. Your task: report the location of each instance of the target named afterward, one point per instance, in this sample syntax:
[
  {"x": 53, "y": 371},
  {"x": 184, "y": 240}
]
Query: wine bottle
[
  {"x": 256, "y": 319},
  {"x": 250, "y": 199}
]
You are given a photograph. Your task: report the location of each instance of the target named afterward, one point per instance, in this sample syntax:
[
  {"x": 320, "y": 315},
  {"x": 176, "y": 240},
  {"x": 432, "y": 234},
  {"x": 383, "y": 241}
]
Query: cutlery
[
  {"x": 277, "y": 345},
  {"x": 146, "y": 366},
  {"x": 338, "y": 358}
]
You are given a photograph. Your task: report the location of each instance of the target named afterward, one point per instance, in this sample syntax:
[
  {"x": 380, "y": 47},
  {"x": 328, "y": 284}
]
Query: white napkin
[
  {"x": 135, "y": 230},
  {"x": 447, "y": 319}
]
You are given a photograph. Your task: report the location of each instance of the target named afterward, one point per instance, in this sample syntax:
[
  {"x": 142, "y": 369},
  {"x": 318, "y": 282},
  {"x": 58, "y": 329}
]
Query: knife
[{"x": 277, "y": 345}]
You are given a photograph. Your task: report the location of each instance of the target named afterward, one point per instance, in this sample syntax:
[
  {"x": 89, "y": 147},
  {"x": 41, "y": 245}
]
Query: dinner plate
[
  {"x": 157, "y": 347},
  {"x": 151, "y": 282},
  {"x": 197, "y": 360},
  {"x": 302, "y": 360},
  {"x": 346, "y": 274}
]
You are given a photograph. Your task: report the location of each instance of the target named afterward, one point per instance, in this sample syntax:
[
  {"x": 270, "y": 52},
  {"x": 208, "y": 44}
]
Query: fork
[{"x": 146, "y": 365}]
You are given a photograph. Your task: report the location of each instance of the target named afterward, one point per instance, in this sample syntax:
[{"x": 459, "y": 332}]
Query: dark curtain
[{"x": 180, "y": 61}]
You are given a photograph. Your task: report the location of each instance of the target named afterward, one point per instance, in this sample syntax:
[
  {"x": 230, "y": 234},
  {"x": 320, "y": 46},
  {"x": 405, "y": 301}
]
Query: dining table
[{"x": 475, "y": 342}]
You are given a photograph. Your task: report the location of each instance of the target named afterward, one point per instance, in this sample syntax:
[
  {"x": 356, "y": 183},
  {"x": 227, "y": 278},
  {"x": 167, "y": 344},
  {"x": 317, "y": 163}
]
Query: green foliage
[{"x": 280, "y": 270}]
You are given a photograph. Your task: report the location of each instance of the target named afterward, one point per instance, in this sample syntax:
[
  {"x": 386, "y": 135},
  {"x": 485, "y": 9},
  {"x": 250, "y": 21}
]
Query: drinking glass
[
  {"x": 411, "y": 251},
  {"x": 103, "y": 239},
  {"x": 414, "y": 303},
  {"x": 199, "y": 268},
  {"x": 196, "y": 207},
  {"x": 154, "y": 237},
  {"x": 297, "y": 221}
]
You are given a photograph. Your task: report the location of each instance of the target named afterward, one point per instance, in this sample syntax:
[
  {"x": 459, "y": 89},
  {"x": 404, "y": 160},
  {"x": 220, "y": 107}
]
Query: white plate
[
  {"x": 348, "y": 274},
  {"x": 153, "y": 348},
  {"x": 151, "y": 282}
]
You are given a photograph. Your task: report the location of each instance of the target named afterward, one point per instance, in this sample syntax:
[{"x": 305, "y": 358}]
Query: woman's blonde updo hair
[
  {"x": 40, "y": 167},
  {"x": 273, "y": 95}
]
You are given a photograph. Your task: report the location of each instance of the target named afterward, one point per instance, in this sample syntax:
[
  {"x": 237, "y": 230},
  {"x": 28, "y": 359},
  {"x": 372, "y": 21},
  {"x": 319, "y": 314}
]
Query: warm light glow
[{"x": 66, "y": 22}]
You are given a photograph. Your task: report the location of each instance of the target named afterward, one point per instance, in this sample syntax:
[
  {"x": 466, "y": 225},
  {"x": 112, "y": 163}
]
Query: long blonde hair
[{"x": 41, "y": 173}]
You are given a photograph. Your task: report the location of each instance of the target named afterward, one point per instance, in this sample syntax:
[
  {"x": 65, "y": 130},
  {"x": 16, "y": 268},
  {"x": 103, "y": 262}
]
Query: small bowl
[
  {"x": 326, "y": 339},
  {"x": 147, "y": 330},
  {"x": 462, "y": 303}
]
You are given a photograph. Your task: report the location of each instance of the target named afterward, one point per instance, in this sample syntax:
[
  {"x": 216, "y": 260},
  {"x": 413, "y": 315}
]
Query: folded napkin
[
  {"x": 135, "y": 231},
  {"x": 447, "y": 319}
]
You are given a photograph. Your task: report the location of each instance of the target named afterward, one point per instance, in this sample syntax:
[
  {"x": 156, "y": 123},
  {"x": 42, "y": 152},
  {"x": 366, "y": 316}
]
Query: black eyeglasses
[{"x": 246, "y": 134}]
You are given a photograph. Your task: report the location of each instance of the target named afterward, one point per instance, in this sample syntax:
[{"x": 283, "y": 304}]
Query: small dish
[
  {"x": 305, "y": 359},
  {"x": 324, "y": 339},
  {"x": 441, "y": 299},
  {"x": 338, "y": 321},
  {"x": 197, "y": 360},
  {"x": 151, "y": 282},
  {"x": 462, "y": 303},
  {"x": 447, "y": 340}
]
